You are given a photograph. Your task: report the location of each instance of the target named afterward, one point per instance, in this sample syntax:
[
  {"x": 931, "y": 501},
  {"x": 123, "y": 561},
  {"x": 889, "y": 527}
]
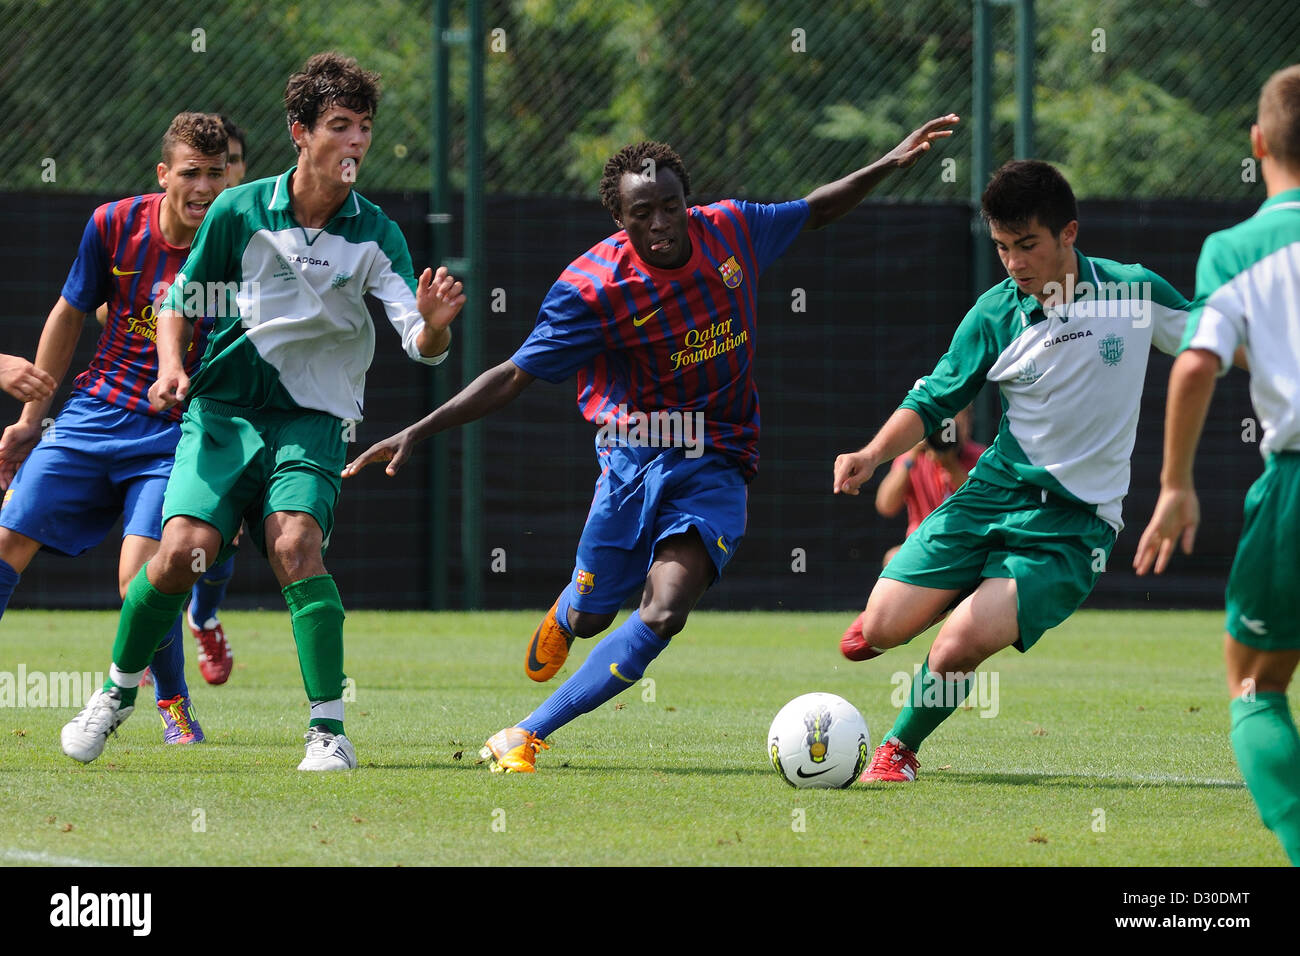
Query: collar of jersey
[
  {"x": 279, "y": 201},
  {"x": 1029, "y": 305},
  {"x": 1288, "y": 196},
  {"x": 694, "y": 262}
]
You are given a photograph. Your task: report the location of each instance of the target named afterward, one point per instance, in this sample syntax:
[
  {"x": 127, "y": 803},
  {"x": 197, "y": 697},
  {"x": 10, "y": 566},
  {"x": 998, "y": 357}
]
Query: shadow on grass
[{"x": 1084, "y": 780}]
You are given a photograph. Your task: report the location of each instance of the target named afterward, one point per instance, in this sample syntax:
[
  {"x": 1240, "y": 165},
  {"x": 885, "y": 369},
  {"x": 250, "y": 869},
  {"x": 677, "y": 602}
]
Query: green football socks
[
  {"x": 317, "y": 613},
  {"x": 929, "y": 702},
  {"x": 1267, "y": 746},
  {"x": 147, "y": 616}
]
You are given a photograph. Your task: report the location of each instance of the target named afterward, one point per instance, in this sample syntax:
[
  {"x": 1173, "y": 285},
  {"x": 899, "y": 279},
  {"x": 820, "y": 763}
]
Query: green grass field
[{"x": 1109, "y": 747}]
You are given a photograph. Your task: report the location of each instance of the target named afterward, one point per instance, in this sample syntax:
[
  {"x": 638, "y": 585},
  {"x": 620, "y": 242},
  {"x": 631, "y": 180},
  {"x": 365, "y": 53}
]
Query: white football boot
[
  {"x": 327, "y": 751},
  {"x": 84, "y": 736}
]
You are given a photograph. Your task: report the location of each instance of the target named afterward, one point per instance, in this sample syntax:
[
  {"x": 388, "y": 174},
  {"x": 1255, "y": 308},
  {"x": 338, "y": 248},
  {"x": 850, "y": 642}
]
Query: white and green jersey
[
  {"x": 291, "y": 328},
  {"x": 1248, "y": 293},
  {"x": 1070, "y": 379}
]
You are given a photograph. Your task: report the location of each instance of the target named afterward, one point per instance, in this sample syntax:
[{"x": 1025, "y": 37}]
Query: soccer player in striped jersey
[
  {"x": 1019, "y": 546},
  {"x": 1248, "y": 294},
  {"x": 108, "y": 455},
  {"x": 658, "y": 324},
  {"x": 214, "y": 656}
]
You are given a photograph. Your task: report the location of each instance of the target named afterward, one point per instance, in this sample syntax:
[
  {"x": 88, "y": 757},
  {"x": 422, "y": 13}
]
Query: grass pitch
[{"x": 1107, "y": 745}]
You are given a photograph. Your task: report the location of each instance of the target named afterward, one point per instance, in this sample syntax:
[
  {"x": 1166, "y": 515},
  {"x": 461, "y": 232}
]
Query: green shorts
[
  {"x": 1053, "y": 549},
  {"x": 1265, "y": 575},
  {"x": 237, "y": 463}
]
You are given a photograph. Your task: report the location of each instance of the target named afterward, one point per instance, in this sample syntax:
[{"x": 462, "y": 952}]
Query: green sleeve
[
  {"x": 960, "y": 373},
  {"x": 212, "y": 258}
]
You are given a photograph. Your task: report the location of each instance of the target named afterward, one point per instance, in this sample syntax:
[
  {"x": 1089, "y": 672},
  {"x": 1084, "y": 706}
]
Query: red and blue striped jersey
[
  {"x": 643, "y": 339},
  {"x": 125, "y": 261}
]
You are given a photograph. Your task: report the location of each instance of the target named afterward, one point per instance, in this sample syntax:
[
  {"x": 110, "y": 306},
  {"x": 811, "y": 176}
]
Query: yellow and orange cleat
[
  {"x": 549, "y": 648},
  {"x": 513, "y": 750}
]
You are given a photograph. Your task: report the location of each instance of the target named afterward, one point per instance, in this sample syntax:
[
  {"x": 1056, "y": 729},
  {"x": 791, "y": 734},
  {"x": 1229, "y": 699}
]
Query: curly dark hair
[
  {"x": 1025, "y": 189},
  {"x": 632, "y": 159},
  {"x": 202, "y": 131},
  {"x": 330, "y": 79}
]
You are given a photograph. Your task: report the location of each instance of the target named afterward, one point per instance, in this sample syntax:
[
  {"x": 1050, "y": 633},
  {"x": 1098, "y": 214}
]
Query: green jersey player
[
  {"x": 1017, "y": 548},
  {"x": 1248, "y": 294},
  {"x": 281, "y": 266}
]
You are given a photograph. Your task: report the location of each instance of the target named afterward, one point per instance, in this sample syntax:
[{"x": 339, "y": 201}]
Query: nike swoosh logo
[
  {"x": 119, "y": 272},
  {"x": 613, "y": 669},
  {"x": 722, "y": 546},
  {"x": 533, "y": 663},
  {"x": 646, "y": 318},
  {"x": 799, "y": 772},
  {"x": 1256, "y": 625}
]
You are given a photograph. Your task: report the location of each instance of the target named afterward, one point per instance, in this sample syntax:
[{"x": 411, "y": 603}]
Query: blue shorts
[
  {"x": 644, "y": 495},
  {"x": 96, "y": 463}
]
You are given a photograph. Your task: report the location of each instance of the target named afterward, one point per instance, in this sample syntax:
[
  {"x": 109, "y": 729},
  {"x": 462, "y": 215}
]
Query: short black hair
[
  {"x": 632, "y": 159},
  {"x": 233, "y": 131},
  {"x": 1026, "y": 189}
]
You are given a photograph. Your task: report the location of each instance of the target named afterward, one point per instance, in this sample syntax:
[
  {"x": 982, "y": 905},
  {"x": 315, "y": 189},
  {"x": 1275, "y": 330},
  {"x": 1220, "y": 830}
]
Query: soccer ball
[{"x": 819, "y": 740}]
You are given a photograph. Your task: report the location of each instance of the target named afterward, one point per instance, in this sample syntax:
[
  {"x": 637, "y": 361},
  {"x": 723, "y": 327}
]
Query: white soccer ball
[{"x": 819, "y": 740}]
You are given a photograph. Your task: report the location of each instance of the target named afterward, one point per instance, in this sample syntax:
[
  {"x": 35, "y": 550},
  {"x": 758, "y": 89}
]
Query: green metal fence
[{"x": 1146, "y": 98}]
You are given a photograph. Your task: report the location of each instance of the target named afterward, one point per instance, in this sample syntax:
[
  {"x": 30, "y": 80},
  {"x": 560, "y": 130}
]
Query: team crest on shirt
[
  {"x": 8, "y": 497},
  {"x": 730, "y": 272},
  {"x": 586, "y": 581},
  {"x": 1112, "y": 349},
  {"x": 1027, "y": 372}
]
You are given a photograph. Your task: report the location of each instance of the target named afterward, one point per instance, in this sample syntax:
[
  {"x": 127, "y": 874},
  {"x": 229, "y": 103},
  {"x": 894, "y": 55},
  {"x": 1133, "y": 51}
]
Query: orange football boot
[
  {"x": 549, "y": 648},
  {"x": 513, "y": 750}
]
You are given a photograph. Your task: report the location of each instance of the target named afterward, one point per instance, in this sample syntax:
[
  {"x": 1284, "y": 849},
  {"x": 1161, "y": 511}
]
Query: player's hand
[
  {"x": 395, "y": 450},
  {"x": 918, "y": 141},
  {"x": 170, "y": 389},
  {"x": 1177, "y": 515},
  {"x": 439, "y": 297},
  {"x": 852, "y": 471},
  {"x": 24, "y": 381},
  {"x": 16, "y": 444}
]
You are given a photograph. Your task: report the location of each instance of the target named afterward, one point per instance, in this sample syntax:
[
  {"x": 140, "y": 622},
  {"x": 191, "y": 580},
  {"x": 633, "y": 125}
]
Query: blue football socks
[
  {"x": 8, "y": 581},
  {"x": 210, "y": 591},
  {"x": 613, "y": 665},
  {"x": 562, "y": 610},
  {"x": 168, "y": 665}
]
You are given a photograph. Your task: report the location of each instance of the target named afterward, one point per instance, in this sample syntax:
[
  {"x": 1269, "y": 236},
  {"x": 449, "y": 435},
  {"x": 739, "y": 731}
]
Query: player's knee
[
  {"x": 880, "y": 631},
  {"x": 954, "y": 654},
  {"x": 296, "y": 558},
  {"x": 666, "y": 619},
  {"x": 585, "y": 624}
]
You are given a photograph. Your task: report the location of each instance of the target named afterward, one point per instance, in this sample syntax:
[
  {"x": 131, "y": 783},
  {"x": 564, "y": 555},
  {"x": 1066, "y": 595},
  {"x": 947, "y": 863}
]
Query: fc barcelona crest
[
  {"x": 1112, "y": 349},
  {"x": 586, "y": 581},
  {"x": 730, "y": 272}
]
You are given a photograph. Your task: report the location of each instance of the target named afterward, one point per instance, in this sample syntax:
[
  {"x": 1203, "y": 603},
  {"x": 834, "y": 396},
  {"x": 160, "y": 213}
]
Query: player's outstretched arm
[
  {"x": 901, "y": 432},
  {"x": 439, "y": 296},
  {"x": 53, "y": 356},
  {"x": 827, "y": 203},
  {"x": 493, "y": 389},
  {"x": 23, "y": 380},
  {"x": 1178, "y": 511}
]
